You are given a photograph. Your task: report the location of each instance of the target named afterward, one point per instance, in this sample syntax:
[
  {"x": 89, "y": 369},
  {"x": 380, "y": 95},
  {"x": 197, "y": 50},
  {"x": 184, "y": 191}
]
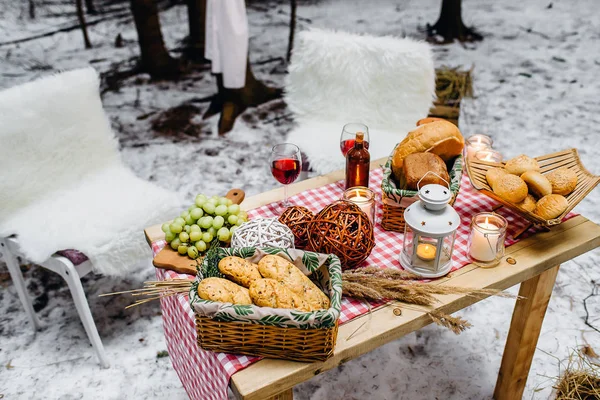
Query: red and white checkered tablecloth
[{"x": 205, "y": 374}]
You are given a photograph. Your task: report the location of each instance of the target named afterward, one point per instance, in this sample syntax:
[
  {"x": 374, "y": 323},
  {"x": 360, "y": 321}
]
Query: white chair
[
  {"x": 334, "y": 78},
  {"x": 63, "y": 186},
  {"x": 72, "y": 274}
]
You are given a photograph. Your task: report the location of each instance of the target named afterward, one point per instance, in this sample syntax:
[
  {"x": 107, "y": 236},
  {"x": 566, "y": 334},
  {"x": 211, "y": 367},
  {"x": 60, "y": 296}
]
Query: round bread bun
[
  {"x": 441, "y": 138},
  {"x": 537, "y": 183},
  {"x": 511, "y": 188},
  {"x": 563, "y": 180},
  {"x": 528, "y": 204},
  {"x": 427, "y": 120},
  {"x": 551, "y": 206},
  {"x": 493, "y": 174},
  {"x": 521, "y": 164}
]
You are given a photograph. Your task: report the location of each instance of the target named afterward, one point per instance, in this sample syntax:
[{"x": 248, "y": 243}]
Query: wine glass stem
[{"x": 285, "y": 196}]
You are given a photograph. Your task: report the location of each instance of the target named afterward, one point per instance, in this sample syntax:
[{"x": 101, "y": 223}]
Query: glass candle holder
[
  {"x": 489, "y": 155},
  {"x": 486, "y": 239},
  {"x": 476, "y": 143},
  {"x": 364, "y": 198}
]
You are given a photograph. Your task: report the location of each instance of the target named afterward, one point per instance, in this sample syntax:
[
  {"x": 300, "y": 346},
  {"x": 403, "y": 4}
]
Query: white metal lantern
[{"x": 429, "y": 233}]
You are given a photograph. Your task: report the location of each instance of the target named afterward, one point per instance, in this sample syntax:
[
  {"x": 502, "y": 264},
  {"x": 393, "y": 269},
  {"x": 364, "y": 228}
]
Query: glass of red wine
[
  {"x": 286, "y": 164},
  {"x": 348, "y": 136}
]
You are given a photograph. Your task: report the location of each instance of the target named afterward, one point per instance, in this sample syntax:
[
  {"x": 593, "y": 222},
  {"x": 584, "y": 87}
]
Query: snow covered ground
[{"x": 536, "y": 92}]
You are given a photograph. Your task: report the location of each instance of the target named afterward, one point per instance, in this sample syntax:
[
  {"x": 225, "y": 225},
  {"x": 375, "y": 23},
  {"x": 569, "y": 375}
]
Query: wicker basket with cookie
[{"x": 273, "y": 302}]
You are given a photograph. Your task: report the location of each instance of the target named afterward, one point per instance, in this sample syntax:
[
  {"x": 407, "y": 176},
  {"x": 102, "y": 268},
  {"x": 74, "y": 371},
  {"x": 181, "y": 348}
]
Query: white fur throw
[
  {"x": 334, "y": 78},
  {"x": 62, "y": 183}
]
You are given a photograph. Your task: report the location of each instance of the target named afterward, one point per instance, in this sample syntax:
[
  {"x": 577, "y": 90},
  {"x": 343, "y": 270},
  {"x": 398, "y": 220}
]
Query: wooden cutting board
[{"x": 168, "y": 258}]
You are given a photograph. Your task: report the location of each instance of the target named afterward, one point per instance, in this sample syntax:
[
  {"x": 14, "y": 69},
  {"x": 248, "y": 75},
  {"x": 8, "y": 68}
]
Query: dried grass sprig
[
  {"x": 154, "y": 290},
  {"x": 455, "y": 324},
  {"x": 452, "y": 84},
  {"x": 357, "y": 290},
  {"x": 373, "y": 283},
  {"x": 395, "y": 287},
  {"x": 580, "y": 379},
  {"x": 381, "y": 273},
  {"x": 482, "y": 293}
]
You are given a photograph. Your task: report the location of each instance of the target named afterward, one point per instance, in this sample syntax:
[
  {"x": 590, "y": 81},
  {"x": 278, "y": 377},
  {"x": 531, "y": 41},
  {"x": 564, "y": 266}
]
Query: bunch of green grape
[{"x": 208, "y": 218}]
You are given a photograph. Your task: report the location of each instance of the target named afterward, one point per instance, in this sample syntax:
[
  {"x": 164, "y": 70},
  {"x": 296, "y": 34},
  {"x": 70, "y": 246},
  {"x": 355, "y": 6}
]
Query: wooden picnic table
[{"x": 537, "y": 259}]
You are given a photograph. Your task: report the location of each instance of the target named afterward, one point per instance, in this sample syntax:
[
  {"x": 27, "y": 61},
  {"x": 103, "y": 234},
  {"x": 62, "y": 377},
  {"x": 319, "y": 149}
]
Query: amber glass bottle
[{"x": 357, "y": 163}]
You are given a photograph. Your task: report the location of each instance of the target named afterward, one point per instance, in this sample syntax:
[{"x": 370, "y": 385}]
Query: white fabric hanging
[{"x": 227, "y": 40}]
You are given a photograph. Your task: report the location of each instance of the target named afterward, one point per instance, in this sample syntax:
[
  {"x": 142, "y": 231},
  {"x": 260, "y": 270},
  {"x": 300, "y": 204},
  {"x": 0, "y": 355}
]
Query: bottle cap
[{"x": 360, "y": 136}]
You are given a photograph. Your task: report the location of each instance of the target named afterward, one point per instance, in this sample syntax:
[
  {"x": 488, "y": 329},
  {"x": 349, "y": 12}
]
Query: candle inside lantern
[
  {"x": 426, "y": 252},
  {"x": 488, "y": 155},
  {"x": 364, "y": 198},
  {"x": 486, "y": 237},
  {"x": 477, "y": 143}
]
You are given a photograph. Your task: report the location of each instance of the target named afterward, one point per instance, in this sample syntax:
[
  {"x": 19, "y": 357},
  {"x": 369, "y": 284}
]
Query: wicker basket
[
  {"x": 273, "y": 332},
  {"x": 586, "y": 182},
  {"x": 395, "y": 200},
  {"x": 266, "y": 341}
]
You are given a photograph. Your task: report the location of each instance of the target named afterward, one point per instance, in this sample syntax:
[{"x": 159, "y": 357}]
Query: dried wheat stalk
[
  {"x": 455, "y": 324},
  {"x": 373, "y": 283},
  {"x": 154, "y": 290},
  {"x": 388, "y": 273},
  {"x": 399, "y": 285}
]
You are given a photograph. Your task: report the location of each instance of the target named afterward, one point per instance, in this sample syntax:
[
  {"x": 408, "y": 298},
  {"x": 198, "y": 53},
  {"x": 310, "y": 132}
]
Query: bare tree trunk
[
  {"x": 155, "y": 58},
  {"x": 232, "y": 102},
  {"x": 450, "y": 25},
  {"x": 31, "y": 9},
  {"x": 81, "y": 18},
  {"x": 197, "y": 25},
  {"x": 90, "y": 7},
  {"x": 293, "y": 5}
]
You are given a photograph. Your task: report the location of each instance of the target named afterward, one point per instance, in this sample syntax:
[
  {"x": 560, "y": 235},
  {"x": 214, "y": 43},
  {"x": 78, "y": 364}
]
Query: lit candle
[
  {"x": 363, "y": 203},
  {"x": 484, "y": 248},
  {"x": 489, "y": 155},
  {"x": 426, "y": 252},
  {"x": 476, "y": 143},
  {"x": 364, "y": 198}
]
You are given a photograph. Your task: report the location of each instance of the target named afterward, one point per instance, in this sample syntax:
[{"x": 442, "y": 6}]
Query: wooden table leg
[
  {"x": 286, "y": 395},
  {"x": 523, "y": 335}
]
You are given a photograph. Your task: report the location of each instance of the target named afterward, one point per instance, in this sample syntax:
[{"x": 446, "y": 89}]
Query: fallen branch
[
  {"x": 587, "y": 313},
  {"x": 65, "y": 29}
]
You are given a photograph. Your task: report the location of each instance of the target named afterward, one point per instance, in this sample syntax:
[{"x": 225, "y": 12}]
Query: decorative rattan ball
[
  {"x": 263, "y": 232},
  {"x": 297, "y": 218},
  {"x": 343, "y": 229}
]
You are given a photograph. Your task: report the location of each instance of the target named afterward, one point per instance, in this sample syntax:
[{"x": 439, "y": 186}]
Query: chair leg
[
  {"x": 70, "y": 275},
  {"x": 17, "y": 278}
]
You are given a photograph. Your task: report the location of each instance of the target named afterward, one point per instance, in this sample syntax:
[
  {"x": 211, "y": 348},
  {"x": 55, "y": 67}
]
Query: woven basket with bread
[
  {"x": 262, "y": 302},
  {"x": 432, "y": 153},
  {"x": 542, "y": 189}
]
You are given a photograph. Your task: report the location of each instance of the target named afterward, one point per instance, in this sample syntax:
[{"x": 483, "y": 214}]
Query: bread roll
[
  {"x": 239, "y": 270},
  {"x": 282, "y": 270},
  {"x": 224, "y": 291},
  {"x": 563, "y": 180},
  {"x": 551, "y": 206},
  {"x": 427, "y": 120},
  {"x": 417, "y": 166},
  {"x": 537, "y": 183},
  {"x": 528, "y": 204},
  {"x": 438, "y": 137},
  {"x": 511, "y": 188},
  {"x": 521, "y": 164},
  {"x": 493, "y": 174},
  {"x": 270, "y": 293}
]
